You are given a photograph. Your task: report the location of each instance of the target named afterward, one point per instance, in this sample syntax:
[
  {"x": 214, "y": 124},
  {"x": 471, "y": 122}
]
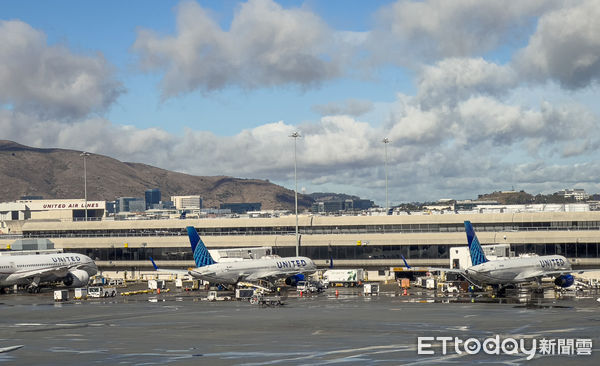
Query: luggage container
[
  {"x": 371, "y": 289},
  {"x": 430, "y": 283},
  {"x": 156, "y": 284},
  {"x": 244, "y": 293},
  {"x": 80, "y": 293},
  {"x": 61, "y": 295}
]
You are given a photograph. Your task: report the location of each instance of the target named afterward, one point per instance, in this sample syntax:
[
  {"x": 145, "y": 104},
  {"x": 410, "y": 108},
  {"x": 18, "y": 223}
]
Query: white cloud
[
  {"x": 414, "y": 125},
  {"x": 266, "y": 45},
  {"x": 483, "y": 119},
  {"x": 469, "y": 128},
  {"x": 565, "y": 46},
  {"x": 51, "y": 81},
  {"x": 349, "y": 107},
  {"x": 481, "y": 143},
  {"x": 434, "y": 29},
  {"x": 454, "y": 79},
  {"x": 95, "y": 135}
]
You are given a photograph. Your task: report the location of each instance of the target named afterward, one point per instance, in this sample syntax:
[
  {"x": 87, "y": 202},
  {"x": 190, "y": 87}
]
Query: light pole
[
  {"x": 295, "y": 135},
  {"x": 85, "y": 155},
  {"x": 386, "y": 141}
]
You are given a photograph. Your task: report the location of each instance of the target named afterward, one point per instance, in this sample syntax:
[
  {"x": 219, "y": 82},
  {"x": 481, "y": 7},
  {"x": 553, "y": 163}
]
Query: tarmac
[{"x": 179, "y": 328}]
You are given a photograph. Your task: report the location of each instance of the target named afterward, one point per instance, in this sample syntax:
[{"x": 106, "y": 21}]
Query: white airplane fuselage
[
  {"x": 21, "y": 269},
  {"x": 515, "y": 270},
  {"x": 252, "y": 270}
]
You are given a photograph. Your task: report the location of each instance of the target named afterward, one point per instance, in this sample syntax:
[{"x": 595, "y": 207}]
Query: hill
[
  {"x": 522, "y": 198},
  {"x": 58, "y": 173}
]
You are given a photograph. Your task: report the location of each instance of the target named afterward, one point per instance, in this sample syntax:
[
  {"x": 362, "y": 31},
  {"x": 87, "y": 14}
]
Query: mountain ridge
[{"x": 55, "y": 173}]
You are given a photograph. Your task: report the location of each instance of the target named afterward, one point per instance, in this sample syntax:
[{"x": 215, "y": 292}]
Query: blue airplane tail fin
[
  {"x": 405, "y": 263},
  {"x": 477, "y": 255},
  {"x": 154, "y": 264},
  {"x": 201, "y": 255}
]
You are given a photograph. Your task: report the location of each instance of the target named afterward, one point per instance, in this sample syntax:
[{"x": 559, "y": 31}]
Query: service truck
[
  {"x": 100, "y": 291},
  {"x": 343, "y": 277}
]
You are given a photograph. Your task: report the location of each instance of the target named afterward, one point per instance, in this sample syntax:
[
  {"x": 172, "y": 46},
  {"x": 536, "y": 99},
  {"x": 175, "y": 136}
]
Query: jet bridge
[{"x": 460, "y": 257}]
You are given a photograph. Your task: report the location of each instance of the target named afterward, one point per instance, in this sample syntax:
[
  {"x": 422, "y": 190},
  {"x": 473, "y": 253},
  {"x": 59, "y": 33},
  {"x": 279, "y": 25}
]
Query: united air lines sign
[
  {"x": 45, "y": 205},
  {"x": 53, "y": 206}
]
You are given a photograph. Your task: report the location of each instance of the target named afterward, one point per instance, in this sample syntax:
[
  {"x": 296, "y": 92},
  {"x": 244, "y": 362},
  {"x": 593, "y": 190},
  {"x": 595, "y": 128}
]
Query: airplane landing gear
[
  {"x": 33, "y": 289},
  {"x": 500, "y": 291},
  {"x": 34, "y": 286}
]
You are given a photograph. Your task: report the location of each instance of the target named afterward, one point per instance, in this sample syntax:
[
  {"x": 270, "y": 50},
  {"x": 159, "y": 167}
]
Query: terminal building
[
  {"x": 53, "y": 210},
  {"x": 373, "y": 242}
]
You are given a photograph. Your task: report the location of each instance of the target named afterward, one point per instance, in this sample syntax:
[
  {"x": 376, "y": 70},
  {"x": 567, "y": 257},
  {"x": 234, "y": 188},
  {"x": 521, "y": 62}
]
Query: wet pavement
[{"x": 178, "y": 328}]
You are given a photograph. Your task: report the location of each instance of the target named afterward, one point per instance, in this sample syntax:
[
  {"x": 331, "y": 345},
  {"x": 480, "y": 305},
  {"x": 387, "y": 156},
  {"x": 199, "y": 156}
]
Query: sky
[{"x": 475, "y": 96}]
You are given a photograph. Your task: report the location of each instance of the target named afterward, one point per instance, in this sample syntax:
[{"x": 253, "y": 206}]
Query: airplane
[
  {"x": 507, "y": 272},
  {"x": 73, "y": 269},
  {"x": 269, "y": 269}
]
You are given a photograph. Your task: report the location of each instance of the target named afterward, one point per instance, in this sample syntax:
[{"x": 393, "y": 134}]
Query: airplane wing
[
  {"x": 537, "y": 274},
  {"x": 443, "y": 269},
  {"x": 580, "y": 271},
  {"x": 268, "y": 275},
  {"x": 171, "y": 271},
  {"x": 433, "y": 269},
  {"x": 265, "y": 275},
  {"x": 532, "y": 275},
  {"x": 182, "y": 272},
  {"x": 60, "y": 271}
]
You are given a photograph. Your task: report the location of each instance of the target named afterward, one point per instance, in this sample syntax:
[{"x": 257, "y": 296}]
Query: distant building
[
  {"x": 187, "y": 202},
  {"x": 317, "y": 207},
  {"x": 32, "y": 244},
  {"x": 59, "y": 209},
  {"x": 164, "y": 205},
  {"x": 29, "y": 198},
  {"x": 215, "y": 212},
  {"x": 111, "y": 207},
  {"x": 362, "y": 204},
  {"x": 342, "y": 205},
  {"x": 333, "y": 206},
  {"x": 10, "y": 211},
  {"x": 469, "y": 204},
  {"x": 131, "y": 204},
  {"x": 152, "y": 198},
  {"x": 242, "y": 207},
  {"x": 577, "y": 193}
]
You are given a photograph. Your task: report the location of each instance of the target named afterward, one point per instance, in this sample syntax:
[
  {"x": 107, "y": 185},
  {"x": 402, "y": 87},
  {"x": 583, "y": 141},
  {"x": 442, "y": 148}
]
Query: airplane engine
[
  {"x": 293, "y": 280},
  {"x": 76, "y": 278},
  {"x": 564, "y": 280}
]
